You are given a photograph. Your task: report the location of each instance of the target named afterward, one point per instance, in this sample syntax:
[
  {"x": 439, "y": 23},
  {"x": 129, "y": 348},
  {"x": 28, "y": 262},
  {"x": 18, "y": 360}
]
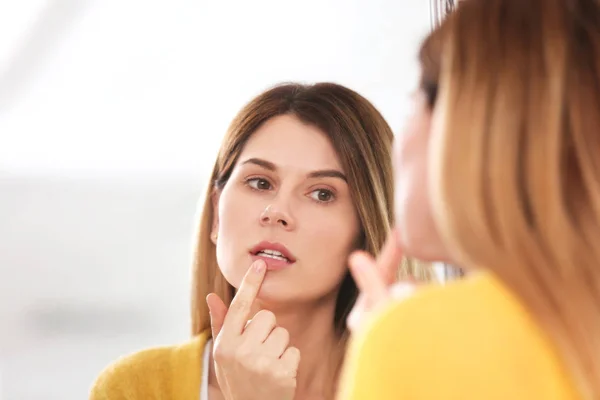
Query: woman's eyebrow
[
  {"x": 324, "y": 173},
  {"x": 328, "y": 173},
  {"x": 261, "y": 163}
]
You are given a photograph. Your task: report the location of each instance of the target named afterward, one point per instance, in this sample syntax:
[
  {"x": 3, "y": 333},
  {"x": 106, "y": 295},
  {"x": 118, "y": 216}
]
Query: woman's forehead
[{"x": 287, "y": 142}]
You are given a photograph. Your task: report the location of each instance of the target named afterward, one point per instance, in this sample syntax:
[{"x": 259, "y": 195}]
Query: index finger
[
  {"x": 389, "y": 258},
  {"x": 240, "y": 307}
]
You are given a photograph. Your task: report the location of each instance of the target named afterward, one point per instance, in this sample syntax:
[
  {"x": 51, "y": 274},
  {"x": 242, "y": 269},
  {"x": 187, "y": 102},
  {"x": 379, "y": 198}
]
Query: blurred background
[{"x": 111, "y": 113}]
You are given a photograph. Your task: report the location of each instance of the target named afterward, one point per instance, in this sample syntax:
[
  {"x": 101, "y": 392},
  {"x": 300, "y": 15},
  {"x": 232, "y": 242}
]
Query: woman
[
  {"x": 505, "y": 133},
  {"x": 303, "y": 178}
]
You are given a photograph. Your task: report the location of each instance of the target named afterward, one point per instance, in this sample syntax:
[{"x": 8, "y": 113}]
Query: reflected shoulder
[{"x": 157, "y": 373}]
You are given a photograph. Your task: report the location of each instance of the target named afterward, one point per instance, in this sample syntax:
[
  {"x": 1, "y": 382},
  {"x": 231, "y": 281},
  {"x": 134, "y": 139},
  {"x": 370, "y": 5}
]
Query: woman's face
[
  {"x": 287, "y": 202},
  {"x": 417, "y": 232}
]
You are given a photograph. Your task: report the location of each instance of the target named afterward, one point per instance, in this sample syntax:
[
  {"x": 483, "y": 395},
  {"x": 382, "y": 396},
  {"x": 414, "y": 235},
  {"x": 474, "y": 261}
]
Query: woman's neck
[{"x": 312, "y": 331}]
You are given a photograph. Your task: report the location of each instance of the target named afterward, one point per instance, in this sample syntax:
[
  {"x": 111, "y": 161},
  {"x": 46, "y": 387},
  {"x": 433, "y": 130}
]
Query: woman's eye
[
  {"x": 322, "y": 195},
  {"x": 259, "y": 184}
]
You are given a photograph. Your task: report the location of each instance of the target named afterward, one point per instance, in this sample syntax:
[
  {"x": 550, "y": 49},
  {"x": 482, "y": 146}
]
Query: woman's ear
[{"x": 214, "y": 233}]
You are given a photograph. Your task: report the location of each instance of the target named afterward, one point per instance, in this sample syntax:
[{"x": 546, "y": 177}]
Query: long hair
[
  {"x": 362, "y": 140},
  {"x": 515, "y": 159}
]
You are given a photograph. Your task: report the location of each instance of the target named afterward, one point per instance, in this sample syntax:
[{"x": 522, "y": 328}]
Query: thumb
[
  {"x": 368, "y": 278},
  {"x": 218, "y": 311},
  {"x": 390, "y": 258}
]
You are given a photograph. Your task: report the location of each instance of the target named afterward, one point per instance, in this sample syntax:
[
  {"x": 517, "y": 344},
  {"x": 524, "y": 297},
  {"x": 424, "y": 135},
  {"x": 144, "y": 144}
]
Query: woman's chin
[{"x": 273, "y": 293}]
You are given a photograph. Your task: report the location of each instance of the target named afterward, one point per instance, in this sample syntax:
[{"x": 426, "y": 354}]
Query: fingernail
[
  {"x": 259, "y": 266},
  {"x": 358, "y": 261},
  {"x": 361, "y": 258}
]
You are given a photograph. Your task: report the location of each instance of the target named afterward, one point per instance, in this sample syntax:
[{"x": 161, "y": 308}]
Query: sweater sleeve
[
  {"x": 134, "y": 377},
  {"x": 159, "y": 374},
  {"x": 466, "y": 341},
  {"x": 370, "y": 371}
]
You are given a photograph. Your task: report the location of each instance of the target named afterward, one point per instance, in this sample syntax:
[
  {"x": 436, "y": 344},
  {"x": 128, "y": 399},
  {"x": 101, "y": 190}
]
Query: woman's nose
[{"x": 276, "y": 215}]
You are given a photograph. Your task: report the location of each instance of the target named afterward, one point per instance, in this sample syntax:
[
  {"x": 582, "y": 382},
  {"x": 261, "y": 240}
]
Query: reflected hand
[
  {"x": 253, "y": 359},
  {"x": 376, "y": 280}
]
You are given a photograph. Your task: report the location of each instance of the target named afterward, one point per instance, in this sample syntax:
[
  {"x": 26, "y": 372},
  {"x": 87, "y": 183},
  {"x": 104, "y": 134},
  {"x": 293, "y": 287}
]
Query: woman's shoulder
[
  {"x": 460, "y": 312},
  {"x": 473, "y": 328},
  {"x": 160, "y": 372}
]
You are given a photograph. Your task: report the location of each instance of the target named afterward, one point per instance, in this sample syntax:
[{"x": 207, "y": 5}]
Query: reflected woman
[{"x": 303, "y": 178}]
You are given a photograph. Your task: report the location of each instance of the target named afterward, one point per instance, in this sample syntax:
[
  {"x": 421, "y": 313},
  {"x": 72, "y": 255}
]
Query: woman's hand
[
  {"x": 376, "y": 281},
  {"x": 252, "y": 358}
]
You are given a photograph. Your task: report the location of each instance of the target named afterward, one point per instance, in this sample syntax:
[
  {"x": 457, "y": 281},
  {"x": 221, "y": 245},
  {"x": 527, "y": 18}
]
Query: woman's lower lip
[{"x": 273, "y": 264}]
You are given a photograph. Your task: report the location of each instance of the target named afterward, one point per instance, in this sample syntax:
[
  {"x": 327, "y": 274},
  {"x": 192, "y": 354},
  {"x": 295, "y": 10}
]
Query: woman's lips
[
  {"x": 273, "y": 264},
  {"x": 275, "y": 255}
]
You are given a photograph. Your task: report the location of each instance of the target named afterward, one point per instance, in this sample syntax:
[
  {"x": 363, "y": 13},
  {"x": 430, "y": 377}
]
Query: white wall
[{"x": 110, "y": 116}]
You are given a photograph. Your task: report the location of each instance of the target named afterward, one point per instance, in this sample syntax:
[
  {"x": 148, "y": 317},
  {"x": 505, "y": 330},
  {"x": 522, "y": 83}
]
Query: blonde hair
[
  {"x": 362, "y": 140},
  {"x": 516, "y": 174}
]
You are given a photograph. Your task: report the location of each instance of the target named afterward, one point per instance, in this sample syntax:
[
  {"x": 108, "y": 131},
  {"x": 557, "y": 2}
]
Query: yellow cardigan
[
  {"x": 468, "y": 340},
  {"x": 166, "y": 373}
]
